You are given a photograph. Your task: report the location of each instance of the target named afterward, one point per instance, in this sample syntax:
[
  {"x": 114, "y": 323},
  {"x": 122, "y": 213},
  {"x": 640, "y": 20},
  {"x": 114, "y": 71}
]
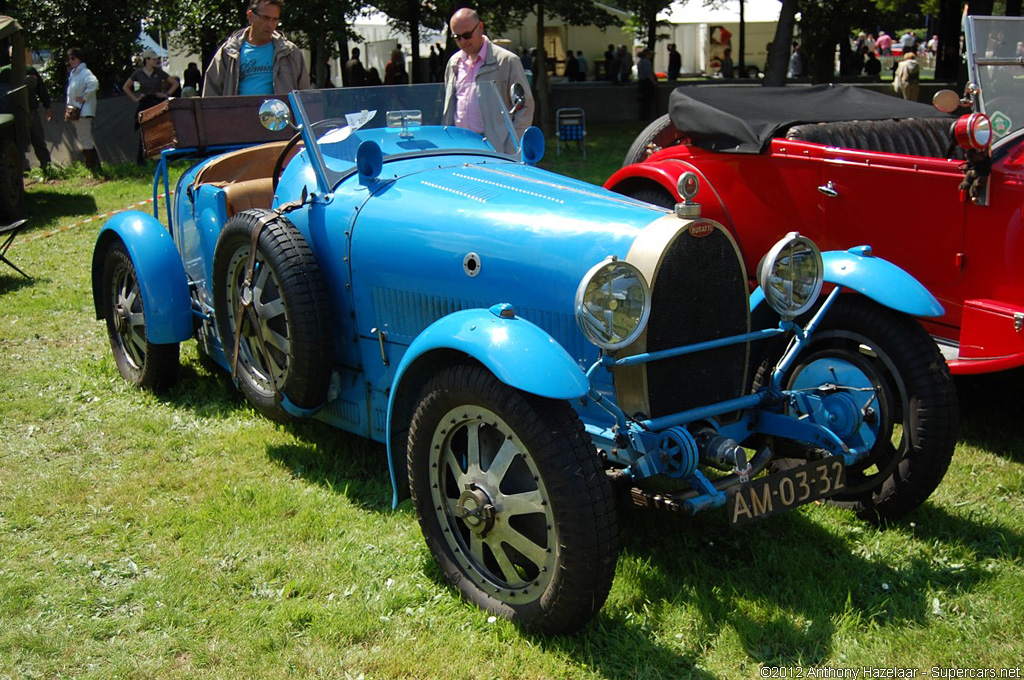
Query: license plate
[{"x": 785, "y": 490}]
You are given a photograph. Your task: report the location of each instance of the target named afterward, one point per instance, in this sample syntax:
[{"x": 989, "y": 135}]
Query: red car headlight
[{"x": 973, "y": 131}]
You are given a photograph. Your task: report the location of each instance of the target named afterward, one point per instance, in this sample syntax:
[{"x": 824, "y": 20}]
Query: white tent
[{"x": 695, "y": 30}]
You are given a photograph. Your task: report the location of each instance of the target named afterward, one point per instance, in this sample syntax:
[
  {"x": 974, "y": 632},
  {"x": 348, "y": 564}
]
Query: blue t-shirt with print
[{"x": 256, "y": 75}]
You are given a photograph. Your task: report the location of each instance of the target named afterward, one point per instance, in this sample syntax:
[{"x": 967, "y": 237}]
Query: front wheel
[
  {"x": 512, "y": 500},
  {"x": 139, "y": 361},
  {"x": 892, "y": 371}
]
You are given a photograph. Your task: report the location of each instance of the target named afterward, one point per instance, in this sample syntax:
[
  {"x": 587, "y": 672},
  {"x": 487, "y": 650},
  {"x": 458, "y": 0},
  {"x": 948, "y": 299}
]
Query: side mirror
[
  {"x": 946, "y": 101},
  {"x": 518, "y": 96},
  {"x": 275, "y": 115}
]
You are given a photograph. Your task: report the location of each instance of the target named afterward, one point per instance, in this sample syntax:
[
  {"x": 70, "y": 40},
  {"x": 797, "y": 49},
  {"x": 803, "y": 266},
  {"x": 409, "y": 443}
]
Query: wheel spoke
[
  {"x": 524, "y": 545},
  {"x": 276, "y": 340},
  {"x": 476, "y": 548},
  {"x": 502, "y": 460},
  {"x": 508, "y": 571},
  {"x": 269, "y": 310},
  {"x": 521, "y": 503},
  {"x": 473, "y": 445},
  {"x": 453, "y": 463}
]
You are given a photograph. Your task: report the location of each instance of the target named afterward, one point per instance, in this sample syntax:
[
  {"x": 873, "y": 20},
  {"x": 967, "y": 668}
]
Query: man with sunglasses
[
  {"x": 257, "y": 59},
  {"x": 469, "y": 100}
]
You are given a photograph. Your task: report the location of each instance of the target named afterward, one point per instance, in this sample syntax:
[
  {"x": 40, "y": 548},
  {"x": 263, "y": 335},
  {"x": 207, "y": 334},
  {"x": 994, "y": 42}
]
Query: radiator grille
[{"x": 699, "y": 294}]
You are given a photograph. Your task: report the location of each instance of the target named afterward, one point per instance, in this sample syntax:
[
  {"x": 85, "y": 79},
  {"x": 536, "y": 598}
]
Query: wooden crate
[{"x": 202, "y": 122}]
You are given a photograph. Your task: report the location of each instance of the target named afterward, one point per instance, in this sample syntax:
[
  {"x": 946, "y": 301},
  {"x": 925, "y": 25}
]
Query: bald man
[{"x": 468, "y": 100}]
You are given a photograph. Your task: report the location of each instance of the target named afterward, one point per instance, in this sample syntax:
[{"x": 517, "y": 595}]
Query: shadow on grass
[
  {"x": 990, "y": 412},
  {"x": 13, "y": 281},
  {"x": 45, "y": 206},
  {"x": 340, "y": 461},
  {"x": 327, "y": 456},
  {"x": 788, "y": 586}
]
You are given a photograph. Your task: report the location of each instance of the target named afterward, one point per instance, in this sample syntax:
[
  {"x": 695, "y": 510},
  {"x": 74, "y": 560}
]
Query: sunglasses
[
  {"x": 271, "y": 20},
  {"x": 467, "y": 35}
]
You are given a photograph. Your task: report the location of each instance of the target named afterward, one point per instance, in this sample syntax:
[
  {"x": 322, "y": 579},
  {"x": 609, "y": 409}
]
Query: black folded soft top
[{"x": 744, "y": 119}]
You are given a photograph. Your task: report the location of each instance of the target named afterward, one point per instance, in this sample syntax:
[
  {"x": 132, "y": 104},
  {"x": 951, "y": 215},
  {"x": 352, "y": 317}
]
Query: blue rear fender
[
  {"x": 882, "y": 281},
  {"x": 517, "y": 352},
  {"x": 160, "y": 272}
]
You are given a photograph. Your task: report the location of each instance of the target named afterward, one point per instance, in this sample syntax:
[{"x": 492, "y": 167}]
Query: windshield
[
  {"x": 995, "y": 57},
  {"x": 402, "y": 120}
]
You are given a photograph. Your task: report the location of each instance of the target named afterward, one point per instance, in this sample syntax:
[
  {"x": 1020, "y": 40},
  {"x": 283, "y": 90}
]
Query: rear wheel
[
  {"x": 512, "y": 500},
  {"x": 654, "y": 195},
  {"x": 893, "y": 374},
  {"x": 660, "y": 134},
  {"x": 140, "y": 362}
]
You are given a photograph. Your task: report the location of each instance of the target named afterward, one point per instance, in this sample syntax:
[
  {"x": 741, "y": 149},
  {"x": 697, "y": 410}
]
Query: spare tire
[
  {"x": 284, "y": 349},
  {"x": 661, "y": 133}
]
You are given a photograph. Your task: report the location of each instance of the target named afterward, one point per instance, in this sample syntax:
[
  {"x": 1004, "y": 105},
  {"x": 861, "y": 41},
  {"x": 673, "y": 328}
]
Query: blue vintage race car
[{"x": 526, "y": 344}]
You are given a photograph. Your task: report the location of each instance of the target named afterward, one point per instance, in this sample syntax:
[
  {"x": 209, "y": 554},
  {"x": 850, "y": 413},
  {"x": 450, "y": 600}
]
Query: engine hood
[{"x": 436, "y": 240}]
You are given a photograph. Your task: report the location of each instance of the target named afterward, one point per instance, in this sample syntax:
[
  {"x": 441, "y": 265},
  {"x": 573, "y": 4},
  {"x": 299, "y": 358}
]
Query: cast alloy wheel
[
  {"x": 140, "y": 362},
  {"x": 281, "y": 314},
  {"x": 512, "y": 500}
]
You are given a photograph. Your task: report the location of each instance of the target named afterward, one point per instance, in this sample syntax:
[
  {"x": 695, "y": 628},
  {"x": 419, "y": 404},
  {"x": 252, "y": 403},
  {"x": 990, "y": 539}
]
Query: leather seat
[{"x": 928, "y": 137}]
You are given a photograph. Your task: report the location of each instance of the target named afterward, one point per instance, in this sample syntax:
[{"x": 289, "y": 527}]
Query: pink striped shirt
[{"x": 467, "y": 104}]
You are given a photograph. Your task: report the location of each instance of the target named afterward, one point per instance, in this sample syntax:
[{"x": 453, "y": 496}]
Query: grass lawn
[{"x": 184, "y": 536}]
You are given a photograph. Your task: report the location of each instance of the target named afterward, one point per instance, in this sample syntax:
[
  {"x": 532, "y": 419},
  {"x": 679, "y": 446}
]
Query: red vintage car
[{"x": 940, "y": 195}]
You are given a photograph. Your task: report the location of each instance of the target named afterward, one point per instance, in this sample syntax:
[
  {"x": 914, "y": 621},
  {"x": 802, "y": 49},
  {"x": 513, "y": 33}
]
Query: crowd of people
[{"x": 259, "y": 60}]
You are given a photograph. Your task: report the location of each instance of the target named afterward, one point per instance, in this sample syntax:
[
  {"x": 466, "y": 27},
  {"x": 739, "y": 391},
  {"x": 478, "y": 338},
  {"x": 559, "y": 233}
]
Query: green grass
[{"x": 184, "y": 536}]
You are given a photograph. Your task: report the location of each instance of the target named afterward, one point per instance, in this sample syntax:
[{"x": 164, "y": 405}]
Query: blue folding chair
[{"x": 571, "y": 126}]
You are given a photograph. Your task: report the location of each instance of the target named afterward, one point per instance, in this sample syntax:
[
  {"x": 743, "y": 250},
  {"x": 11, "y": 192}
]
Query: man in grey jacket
[
  {"x": 257, "y": 59},
  {"x": 469, "y": 100}
]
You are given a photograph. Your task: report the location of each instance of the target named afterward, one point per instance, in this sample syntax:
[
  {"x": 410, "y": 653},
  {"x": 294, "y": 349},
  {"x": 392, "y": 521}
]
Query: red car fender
[{"x": 665, "y": 174}]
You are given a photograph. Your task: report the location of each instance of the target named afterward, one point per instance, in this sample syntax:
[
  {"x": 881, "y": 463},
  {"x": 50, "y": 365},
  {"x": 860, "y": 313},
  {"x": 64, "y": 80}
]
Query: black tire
[
  {"x": 140, "y": 362},
  {"x": 12, "y": 184},
  {"x": 654, "y": 195},
  {"x": 916, "y": 407},
  {"x": 290, "y": 302},
  {"x": 550, "y": 565},
  {"x": 661, "y": 133}
]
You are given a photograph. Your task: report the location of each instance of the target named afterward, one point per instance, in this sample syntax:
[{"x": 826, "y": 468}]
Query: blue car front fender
[
  {"x": 160, "y": 273},
  {"x": 517, "y": 352},
  {"x": 875, "y": 278}
]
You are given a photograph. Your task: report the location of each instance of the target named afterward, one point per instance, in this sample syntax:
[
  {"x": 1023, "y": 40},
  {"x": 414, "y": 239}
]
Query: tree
[
  {"x": 778, "y": 56},
  {"x": 409, "y": 16},
  {"x": 572, "y": 12},
  {"x": 107, "y": 37}
]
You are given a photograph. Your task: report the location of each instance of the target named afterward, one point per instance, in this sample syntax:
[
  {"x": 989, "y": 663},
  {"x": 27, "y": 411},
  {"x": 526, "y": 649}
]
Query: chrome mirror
[
  {"x": 946, "y": 101},
  {"x": 517, "y": 95},
  {"x": 275, "y": 115}
]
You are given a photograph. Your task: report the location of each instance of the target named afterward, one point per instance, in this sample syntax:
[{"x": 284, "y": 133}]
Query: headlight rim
[
  {"x": 767, "y": 264},
  {"x": 641, "y": 326}
]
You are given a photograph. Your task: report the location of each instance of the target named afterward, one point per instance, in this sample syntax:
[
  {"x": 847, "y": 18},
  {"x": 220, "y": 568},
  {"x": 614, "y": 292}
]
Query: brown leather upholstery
[
  {"x": 251, "y": 193},
  {"x": 251, "y": 162},
  {"x": 245, "y": 175},
  {"x": 909, "y": 136}
]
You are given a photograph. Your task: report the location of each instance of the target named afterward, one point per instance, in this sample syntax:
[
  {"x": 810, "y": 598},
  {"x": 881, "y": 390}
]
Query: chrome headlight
[
  {"x": 791, "y": 275},
  {"x": 613, "y": 303}
]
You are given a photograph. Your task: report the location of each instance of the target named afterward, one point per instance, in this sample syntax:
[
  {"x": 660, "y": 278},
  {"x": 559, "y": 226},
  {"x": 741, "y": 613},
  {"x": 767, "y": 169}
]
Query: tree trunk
[
  {"x": 414, "y": 48},
  {"x": 541, "y": 84},
  {"x": 948, "y": 62},
  {"x": 778, "y": 58},
  {"x": 741, "y": 64}
]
